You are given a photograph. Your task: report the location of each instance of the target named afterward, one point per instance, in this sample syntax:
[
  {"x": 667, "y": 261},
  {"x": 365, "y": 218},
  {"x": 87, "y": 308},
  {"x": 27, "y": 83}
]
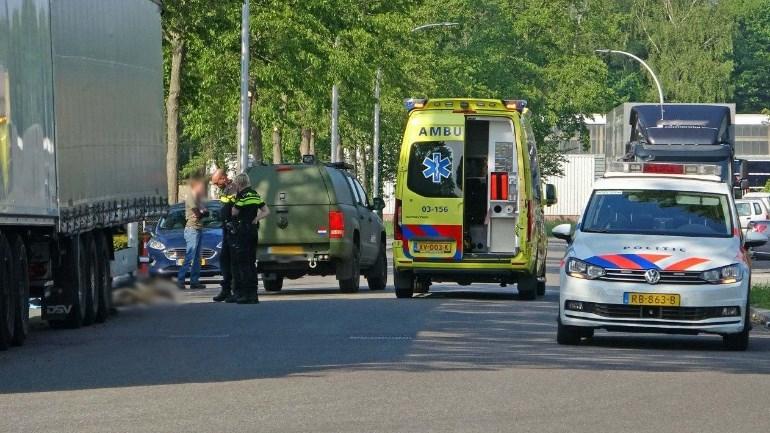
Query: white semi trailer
[{"x": 82, "y": 154}]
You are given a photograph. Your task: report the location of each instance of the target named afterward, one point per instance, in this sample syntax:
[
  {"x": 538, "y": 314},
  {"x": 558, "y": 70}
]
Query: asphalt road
[{"x": 312, "y": 360}]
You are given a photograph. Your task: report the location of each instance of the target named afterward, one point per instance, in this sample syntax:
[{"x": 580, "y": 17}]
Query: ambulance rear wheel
[
  {"x": 541, "y": 286},
  {"x": 404, "y": 284},
  {"x": 527, "y": 287}
]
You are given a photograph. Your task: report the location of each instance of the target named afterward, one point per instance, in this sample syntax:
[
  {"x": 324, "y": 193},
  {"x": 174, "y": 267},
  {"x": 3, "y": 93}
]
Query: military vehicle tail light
[{"x": 336, "y": 224}]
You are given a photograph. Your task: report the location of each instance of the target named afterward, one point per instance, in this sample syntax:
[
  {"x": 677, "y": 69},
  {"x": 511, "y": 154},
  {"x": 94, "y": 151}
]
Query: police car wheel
[
  {"x": 21, "y": 285},
  {"x": 739, "y": 342},
  {"x": 568, "y": 335}
]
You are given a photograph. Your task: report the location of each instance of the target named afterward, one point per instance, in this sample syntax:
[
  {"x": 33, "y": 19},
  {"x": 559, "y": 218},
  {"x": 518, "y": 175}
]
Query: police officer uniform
[
  {"x": 227, "y": 198},
  {"x": 243, "y": 245}
]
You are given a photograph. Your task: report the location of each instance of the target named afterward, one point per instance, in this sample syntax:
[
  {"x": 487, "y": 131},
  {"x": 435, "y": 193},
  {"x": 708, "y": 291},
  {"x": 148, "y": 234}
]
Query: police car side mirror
[
  {"x": 378, "y": 204},
  {"x": 550, "y": 194},
  {"x": 754, "y": 239},
  {"x": 563, "y": 232}
]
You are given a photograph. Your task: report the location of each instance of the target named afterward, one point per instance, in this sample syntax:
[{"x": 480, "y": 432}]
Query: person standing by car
[
  {"x": 227, "y": 193},
  {"x": 248, "y": 210},
  {"x": 193, "y": 232}
]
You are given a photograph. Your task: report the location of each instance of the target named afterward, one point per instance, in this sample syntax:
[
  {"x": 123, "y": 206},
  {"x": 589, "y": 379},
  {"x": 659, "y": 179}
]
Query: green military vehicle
[{"x": 321, "y": 223}]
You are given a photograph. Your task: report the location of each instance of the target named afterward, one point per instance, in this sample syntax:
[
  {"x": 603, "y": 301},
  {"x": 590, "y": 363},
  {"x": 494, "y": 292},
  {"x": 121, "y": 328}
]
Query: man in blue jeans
[{"x": 193, "y": 232}]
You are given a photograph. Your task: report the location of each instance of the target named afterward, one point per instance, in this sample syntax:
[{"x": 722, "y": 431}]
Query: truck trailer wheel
[
  {"x": 91, "y": 278},
  {"x": 104, "y": 303},
  {"x": 70, "y": 276},
  {"x": 7, "y": 298},
  {"x": 21, "y": 285}
]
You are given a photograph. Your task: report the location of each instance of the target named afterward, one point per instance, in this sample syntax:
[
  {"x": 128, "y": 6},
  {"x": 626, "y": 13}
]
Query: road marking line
[
  {"x": 200, "y": 336},
  {"x": 355, "y": 337}
]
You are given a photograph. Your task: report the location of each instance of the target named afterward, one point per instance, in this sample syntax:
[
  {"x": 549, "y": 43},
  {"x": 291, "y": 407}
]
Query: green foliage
[
  {"x": 766, "y": 187},
  {"x": 760, "y": 296},
  {"x": 542, "y": 51}
]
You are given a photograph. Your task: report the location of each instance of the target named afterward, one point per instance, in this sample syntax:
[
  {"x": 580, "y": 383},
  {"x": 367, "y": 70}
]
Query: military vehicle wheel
[
  {"x": 352, "y": 284},
  {"x": 377, "y": 278}
]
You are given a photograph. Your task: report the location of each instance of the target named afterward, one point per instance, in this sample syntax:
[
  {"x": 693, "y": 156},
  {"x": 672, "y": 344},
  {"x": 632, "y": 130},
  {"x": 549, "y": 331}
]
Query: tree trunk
[
  {"x": 256, "y": 141},
  {"x": 172, "y": 117},
  {"x": 304, "y": 146},
  {"x": 311, "y": 147},
  {"x": 277, "y": 151}
]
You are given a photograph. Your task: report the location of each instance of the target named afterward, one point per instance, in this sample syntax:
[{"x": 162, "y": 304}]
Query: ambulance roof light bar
[
  {"x": 515, "y": 104},
  {"x": 666, "y": 168},
  {"x": 414, "y": 103}
]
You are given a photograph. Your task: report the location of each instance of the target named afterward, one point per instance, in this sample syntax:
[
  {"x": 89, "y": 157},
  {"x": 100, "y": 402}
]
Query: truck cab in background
[{"x": 687, "y": 133}]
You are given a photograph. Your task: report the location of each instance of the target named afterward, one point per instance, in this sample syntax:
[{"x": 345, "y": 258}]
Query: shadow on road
[{"x": 447, "y": 330}]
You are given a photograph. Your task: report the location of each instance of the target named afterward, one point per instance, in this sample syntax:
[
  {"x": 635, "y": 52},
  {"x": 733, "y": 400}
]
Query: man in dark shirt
[
  {"x": 227, "y": 193},
  {"x": 248, "y": 210}
]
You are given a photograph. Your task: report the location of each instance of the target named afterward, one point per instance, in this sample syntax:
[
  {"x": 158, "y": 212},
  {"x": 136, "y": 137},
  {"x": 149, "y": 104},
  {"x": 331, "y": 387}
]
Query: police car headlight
[
  {"x": 725, "y": 275},
  {"x": 580, "y": 269},
  {"x": 156, "y": 244}
]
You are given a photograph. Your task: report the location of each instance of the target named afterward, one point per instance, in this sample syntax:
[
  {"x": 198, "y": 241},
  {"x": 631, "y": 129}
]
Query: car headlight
[
  {"x": 156, "y": 244},
  {"x": 725, "y": 275},
  {"x": 580, "y": 269},
  {"x": 219, "y": 245}
]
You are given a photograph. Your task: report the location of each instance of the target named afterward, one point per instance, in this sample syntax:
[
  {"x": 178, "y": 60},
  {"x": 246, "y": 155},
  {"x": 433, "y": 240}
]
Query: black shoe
[
  {"x": 247, "y": 300},
  {"x": 222, "y": 296},
  {"x": 179, "y": 285},
  {"x": 197, "y": 286},
  {"x": 232, "y": 299}
]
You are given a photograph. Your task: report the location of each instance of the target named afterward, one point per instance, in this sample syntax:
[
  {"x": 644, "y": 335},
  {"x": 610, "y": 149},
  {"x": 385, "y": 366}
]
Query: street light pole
[
  {"x": 243, "y": 145},
  {"x": 646, "y": 66},
  {"x": 377, "y": 84}
]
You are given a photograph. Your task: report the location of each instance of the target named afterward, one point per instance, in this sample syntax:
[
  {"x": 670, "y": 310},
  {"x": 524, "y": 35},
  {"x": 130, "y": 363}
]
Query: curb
[{"x": 760, "y": 317}]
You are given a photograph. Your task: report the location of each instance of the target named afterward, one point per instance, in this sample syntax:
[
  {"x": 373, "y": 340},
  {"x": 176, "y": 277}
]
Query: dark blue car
[{"x": 166, "y": 247}]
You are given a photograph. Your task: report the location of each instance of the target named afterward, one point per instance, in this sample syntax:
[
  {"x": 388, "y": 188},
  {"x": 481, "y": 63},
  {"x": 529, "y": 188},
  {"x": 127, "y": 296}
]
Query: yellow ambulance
[{"x": 469, "y": 199}]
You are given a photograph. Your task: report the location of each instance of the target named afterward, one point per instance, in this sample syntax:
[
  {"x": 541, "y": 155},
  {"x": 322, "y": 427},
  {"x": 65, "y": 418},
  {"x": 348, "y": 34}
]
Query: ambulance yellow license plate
[
  {"x": 653, "y": 299},
  {"x": 433, "y": 247}
]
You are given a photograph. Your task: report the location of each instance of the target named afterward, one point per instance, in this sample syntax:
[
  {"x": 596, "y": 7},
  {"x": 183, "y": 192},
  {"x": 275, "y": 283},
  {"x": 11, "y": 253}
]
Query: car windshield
[
  {"x": 667, "y": 213},
  {"x": 744, "y": 209},
  {"x": 175, "y": 220}
]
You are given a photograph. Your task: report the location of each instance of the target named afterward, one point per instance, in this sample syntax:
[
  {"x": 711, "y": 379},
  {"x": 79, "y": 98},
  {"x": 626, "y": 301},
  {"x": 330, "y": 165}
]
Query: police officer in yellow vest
[
  {"x": 248, "y": 210},
  {"x": 227, "y": 193}
]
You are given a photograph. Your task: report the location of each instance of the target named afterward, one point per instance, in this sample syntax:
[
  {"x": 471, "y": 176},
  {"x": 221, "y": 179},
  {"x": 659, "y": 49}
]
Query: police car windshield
[
  {"x": 667, "y": 213},
  {"x": 175, "y": 220}
]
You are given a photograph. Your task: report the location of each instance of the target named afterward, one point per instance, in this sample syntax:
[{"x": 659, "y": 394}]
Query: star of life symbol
[{"x": 436, "y": 167}]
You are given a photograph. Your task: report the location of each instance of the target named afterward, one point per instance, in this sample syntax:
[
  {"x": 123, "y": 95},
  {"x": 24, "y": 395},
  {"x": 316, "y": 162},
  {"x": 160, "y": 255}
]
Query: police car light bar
[
  {"x": 413, "y": 103},
  {"x": 665, "y": 168}
]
